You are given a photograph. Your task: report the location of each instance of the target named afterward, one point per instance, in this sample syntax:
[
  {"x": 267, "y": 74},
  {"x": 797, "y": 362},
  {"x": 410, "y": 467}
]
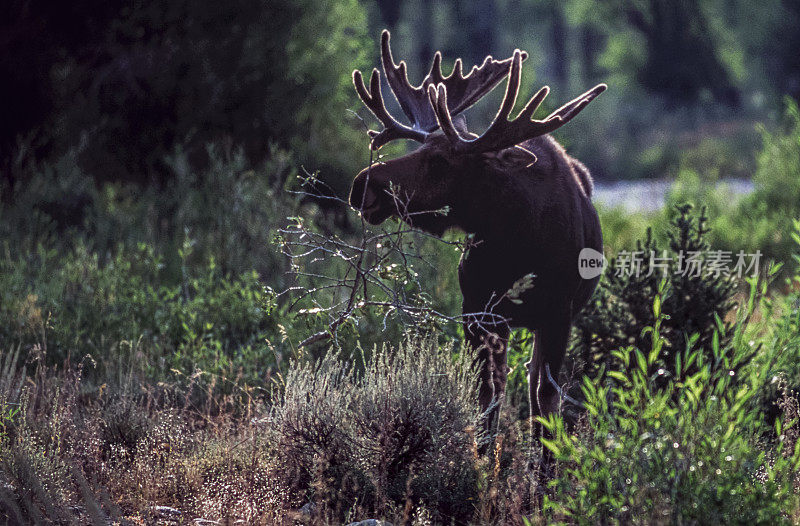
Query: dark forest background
[{"x": 125, "y": 85}]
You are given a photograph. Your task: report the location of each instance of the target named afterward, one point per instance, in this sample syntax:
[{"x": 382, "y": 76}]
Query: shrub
[
  {"x": 35, "y": 458},
  {"x": 684, "y": 450},
  {"x": 226, "y": 210},
  {"x": 776, "y": 199},
  {"x": 401, "y": 432},
  {"x": 696, "y": 303},
  {"x": 72, "y": 303},
  {"x": 66, "y": 455},
  {"x": 779, "y": 358}
]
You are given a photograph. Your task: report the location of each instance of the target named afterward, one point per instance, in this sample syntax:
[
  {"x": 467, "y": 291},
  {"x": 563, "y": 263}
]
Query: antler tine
[
  {"x": 573, "y": 107},
  {"x": 464, "y": 91},
  {"x": 533, "y": 104},
  {"x": 512, "y": 88},
  {"x": 438, "y": 98},
  {"x": 565, "y": 113},
  {"x": 504, "y": 133},
  {"x": 373, "y": 100},
  {"x": 412, "y": 100},
  {"x": 415, "y": 101},
  {"x": 435, "y": 74}
]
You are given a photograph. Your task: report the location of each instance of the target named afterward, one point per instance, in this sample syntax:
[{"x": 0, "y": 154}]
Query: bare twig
[
  {"x": 344, "y": 278},
  {"x": 559, "y": 390}
]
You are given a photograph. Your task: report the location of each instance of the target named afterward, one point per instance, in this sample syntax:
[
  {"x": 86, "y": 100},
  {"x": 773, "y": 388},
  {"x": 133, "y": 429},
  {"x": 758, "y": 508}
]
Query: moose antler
[
  {"x": 504, "y": 133},
  {"x": 373, "y": 99},
  {"x": 414, "y": 101}
]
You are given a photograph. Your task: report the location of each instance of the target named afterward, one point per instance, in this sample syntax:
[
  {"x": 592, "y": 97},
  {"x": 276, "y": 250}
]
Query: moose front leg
[{"x": 491, "y": 343}]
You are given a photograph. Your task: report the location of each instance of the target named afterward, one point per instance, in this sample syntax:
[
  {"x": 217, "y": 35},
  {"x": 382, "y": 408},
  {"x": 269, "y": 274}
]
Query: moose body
[{"x": 525, "y": 201}]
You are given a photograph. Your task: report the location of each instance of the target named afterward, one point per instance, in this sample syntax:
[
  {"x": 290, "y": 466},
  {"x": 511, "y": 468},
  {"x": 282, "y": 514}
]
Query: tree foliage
[{"x": 126, "y": 84}]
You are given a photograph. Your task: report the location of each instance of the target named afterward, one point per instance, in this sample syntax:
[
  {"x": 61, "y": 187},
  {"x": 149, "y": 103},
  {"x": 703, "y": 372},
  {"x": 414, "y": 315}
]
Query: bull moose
[{"x": 525, "y": 201}]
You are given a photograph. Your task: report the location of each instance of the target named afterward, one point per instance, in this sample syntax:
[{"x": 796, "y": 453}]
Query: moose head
[{"x": 514, "y": 187}]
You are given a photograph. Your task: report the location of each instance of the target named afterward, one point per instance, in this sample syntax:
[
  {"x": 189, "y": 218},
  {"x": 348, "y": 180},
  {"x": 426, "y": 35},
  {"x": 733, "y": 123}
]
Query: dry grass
[{"x": 392, "y": 442}]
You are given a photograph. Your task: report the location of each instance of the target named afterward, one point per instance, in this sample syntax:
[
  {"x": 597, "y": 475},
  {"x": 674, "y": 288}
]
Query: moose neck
[
  {"x": 497, "y": 208},
  {"x": 522, "y": 207}
]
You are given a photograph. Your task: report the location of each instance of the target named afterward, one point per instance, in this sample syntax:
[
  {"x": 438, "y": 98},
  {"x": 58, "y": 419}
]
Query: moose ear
[{"x": 516, "y": 156}]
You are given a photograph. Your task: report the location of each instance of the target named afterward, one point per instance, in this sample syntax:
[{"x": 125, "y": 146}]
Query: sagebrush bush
[
  {"x": 402, "y": 431},
  {"x": 64, "y": 455},
  {"x": 36, "y": 451}
]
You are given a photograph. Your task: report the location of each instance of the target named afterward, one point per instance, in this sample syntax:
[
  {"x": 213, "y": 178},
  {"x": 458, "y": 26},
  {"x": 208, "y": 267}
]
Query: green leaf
[
  {"x": 642, "y": 362},
  {"x": 551, "y": 445},
  {"x": 620, "y": 376}
]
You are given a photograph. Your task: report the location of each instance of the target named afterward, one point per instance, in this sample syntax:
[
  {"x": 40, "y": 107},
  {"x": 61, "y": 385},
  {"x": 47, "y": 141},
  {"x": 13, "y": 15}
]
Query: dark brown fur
[{"x": 526, "y": 218}]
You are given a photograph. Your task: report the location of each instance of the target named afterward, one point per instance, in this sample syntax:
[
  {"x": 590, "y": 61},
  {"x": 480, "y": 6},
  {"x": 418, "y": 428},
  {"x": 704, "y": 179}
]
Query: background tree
[{"x": 128, "y": 84}]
